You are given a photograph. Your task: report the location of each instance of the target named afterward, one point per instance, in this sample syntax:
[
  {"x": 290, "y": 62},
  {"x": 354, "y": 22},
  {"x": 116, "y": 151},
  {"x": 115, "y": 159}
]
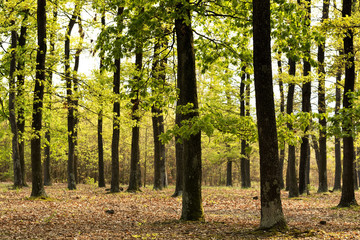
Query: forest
[{"x": 192, "y": 105}]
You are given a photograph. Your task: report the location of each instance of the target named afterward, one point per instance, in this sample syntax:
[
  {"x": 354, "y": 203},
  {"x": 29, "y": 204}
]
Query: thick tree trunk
[
  {"x": 293, "y": 186},
  {"x": 323, "y": 186},
  {"x": 18, "y": 180},
  {"x": 192, "y": 208},
  {"x": 271, "y": 210},
  {"x": 36, "y": 168},
  {"x": 347, "y": 193}
]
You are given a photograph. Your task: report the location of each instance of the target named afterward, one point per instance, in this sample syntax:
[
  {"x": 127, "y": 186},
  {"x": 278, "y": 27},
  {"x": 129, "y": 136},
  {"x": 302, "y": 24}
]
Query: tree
[
  {"x": 70, "y": 103},
  {"x": 115, "y": 174},
  {"x": 291, "y": 174},
  {"x": 271, "y": 210},
  {"x": 306, "y": 106},
  {"x": 323, "y": 187},
  {"x": 337, "y": 183},
  {"x": 347, "y": 193},
  {"x": 159, "y": 64},
  {"x": 101, "y": 182},
  {"x": 37, "y": 181},
  {"x": 186, "y": 75},
  {"x": 18, "y": 179}
]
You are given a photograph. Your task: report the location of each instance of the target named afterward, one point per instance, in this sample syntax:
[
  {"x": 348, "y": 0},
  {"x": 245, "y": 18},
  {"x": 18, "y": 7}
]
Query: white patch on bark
[{"x": 271, "y": 215}]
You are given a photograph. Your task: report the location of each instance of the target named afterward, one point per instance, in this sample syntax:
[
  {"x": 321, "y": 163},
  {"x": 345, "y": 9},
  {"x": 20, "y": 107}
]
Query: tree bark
[
  {"x": 192, "y": 208},
  {"x": 347, "y": 193},
  {"x": 272, "y": 216},
  {"x": 337, "y": 183},
  {"x": 135, "y": 172},
  {"x": 70, "y": 103},
  {"x": 115, "y": 171},
  {"x": 323, "y": 186},
  {"x": 282, "y": 110},
  {"x": 293, "y": 186},
  {"x": 36, "y": 168},
  {"x": 306, "y": 108},
  {"x": 18, "y": 180},
  {"x": 179, "y": 149},
  {"x": 20, "y": 96}
]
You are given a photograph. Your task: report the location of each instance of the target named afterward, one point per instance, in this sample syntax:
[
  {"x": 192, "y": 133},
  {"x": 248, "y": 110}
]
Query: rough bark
[
  {"x": 347, "y": 193},
  {"x": 37, "y": 189},
  {"x": 272, "y": 216},
  {"x": 192, "y": 208},
  {"x": 323, "y": 186}
]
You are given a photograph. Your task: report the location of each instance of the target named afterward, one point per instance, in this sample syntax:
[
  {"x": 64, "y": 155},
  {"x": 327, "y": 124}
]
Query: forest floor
[{"x": 230, "y": 213}]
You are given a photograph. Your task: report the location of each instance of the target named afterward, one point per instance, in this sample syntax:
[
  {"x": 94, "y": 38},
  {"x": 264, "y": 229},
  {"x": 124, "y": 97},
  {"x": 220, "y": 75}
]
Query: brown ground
[{"x": 231, "y": 213}]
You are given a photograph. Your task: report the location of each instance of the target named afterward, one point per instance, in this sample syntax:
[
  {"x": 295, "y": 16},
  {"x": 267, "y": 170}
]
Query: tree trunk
[
  {"x": 115, "y": 171},
  {"x": 101, "y": 182},
  {"x": 347, "y": 193},
  {"x": 47, "y": 150},
  {"x": 18, "y": 180},
  {"x": 247, "y": 146},
  {"x": 293, "y": 187},
  {"x": 271, "y": 210},
  {"x": 158, "y": 72},
  {"x": 337, "y": 183},
  {"x": 179, "y": 149},
  {"x": 323, "y": 187},
  {"x": 192, "y": 208},
  {"x": 21, "y": 97},
  {"x": 135, "y": 172},
  {"x": 36, "y": 168},
  {"x": 282, "y": 110},
  {"x": 70, "y": 103},
  {"x": 306, "y": 108}
]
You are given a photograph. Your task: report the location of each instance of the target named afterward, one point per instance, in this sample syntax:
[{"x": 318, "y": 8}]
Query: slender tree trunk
[
  {"x": 282, "y": 110},
  {"x": 101, "y": 182},
  {"x": 247, "y": 146},
  {"x": 20, "y": 97},
  {"x": 36, "y": 168},
  {"x": 243, "y": 142},
  {"x": 47, "y": 150},
  {"x": 192, "y": 208},
  {"x": 347, "y": 193},
  {"x": 70, "y": 103},
  {"x": 337, "y": 183},
  {"x": 115, "y": 171},
  {"x": 135, "y": 173},
  {"x": 159, "y": 64},
  {"x": 271, "y": 210},
  {"x": 18, "y": 183},
  {"x": 76, "y": 98},
  {"x": 306, "y": 108},
  {"x": 293, "y": 187},
  {"x": 179, "y": 147},
  {"x": 323, "y": 187}
]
